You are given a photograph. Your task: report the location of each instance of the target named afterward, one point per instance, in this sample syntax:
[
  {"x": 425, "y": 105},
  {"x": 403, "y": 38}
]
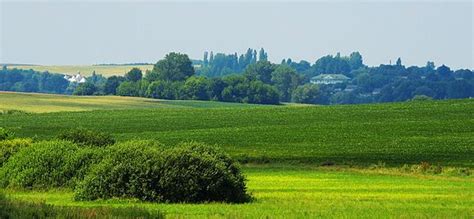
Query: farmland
[
  {"x": 282, "y": 149},
  {"x": 41, "y": 103},
  {"x": 287, "y": 192},
  {"x": 437, "y": 132},
  {"x": 86, "y": 70}
]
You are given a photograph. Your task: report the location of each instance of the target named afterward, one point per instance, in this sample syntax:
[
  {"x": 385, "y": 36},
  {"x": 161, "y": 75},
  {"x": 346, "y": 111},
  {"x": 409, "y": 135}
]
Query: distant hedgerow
[{"x": 87, "y": 137}]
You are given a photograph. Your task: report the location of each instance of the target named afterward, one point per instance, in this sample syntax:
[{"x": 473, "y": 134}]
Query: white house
[
  {"x": 329, "y": 79},
  {"x": 78, "y": 78}
]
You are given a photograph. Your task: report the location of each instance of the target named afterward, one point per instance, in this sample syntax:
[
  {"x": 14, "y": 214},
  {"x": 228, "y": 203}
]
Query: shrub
[
  {"x": 191, "y": 172},
  {"x": 6, "y": 134},
  {"x": 47, "y": 164},
  {"x": 87, "y": 137},
  {"x": 10, "y": 147},
  {"x": 129, "y": 169}
]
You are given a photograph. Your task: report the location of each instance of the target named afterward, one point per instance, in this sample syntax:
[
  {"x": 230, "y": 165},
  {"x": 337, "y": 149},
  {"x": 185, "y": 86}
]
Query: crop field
[
  {"x": 86, "y": 70},
  {"x": 41, "y": 103},
  {"x": 439, "y": 132},
  {"x": 282, "y": 150},
  {"x": 288, "y": 192}
]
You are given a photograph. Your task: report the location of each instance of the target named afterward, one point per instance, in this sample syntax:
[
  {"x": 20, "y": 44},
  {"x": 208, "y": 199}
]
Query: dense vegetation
[
  {"x": 251, "y": 79},
  {"x": 191, "y": 172}
]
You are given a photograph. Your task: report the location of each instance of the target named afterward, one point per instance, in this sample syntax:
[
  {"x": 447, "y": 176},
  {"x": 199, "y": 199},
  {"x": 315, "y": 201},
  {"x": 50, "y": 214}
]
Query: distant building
[
  {"x": 329, "y": 79},
  {"x": 78, "y": 78}
]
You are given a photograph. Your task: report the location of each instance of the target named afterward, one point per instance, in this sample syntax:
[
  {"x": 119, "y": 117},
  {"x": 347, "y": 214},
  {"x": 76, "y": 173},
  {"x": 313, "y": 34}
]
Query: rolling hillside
[{"x": 439, "y": 132}]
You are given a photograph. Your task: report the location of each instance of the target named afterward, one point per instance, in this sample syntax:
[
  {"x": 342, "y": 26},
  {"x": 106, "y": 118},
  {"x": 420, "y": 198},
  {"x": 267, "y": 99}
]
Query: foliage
[
  {"x": 87, "y": 88},
  {"x": 174, "y": 67},
  {"x": 308, "y": 93},
  {"x": 112, "y": 84},
  {"x": 47, "y": 164},
  {"x": 129, "y": 169},
  {"x": 135, "y": 74},
  {"x": 193, "y": 172},
  {"x": 87, "y": 137},
  {"x": 189, "y": 173},
  {"x": 10, "y": 147},
  {"x": 32, "y": 81},
  {"x": 6, "y": 134}
]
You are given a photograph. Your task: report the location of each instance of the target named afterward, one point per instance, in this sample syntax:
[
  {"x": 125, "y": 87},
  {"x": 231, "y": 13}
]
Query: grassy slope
[
  {"x": 437, "y": 132},
  {"x": 305, "y": 192},
  {"x": 85, "y": 70},
  {"x": 40, "y": 103}
]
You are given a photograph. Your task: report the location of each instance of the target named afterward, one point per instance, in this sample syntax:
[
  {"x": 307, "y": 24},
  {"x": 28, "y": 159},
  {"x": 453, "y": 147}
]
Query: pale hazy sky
[{"x": 88, "y": 32}]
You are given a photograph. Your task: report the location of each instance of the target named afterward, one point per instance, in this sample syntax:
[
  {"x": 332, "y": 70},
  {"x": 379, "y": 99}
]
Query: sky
[{"x": 94, "y": 32}]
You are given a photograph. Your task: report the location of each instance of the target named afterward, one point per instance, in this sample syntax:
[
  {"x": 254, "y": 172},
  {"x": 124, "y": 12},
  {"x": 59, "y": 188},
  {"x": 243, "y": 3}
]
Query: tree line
[{"x": 251, "y": 78}]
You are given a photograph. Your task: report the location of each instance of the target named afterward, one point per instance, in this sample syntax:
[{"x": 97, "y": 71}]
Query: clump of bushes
[
  {"x": 87, "y": 137},
  {"x": 48, "y": 164},
  {"x": 129, "y": 169},
  {"x": 6, "y": 134},
  {"x": 190, "y": 172},
  {"x": 10, "y": 147}
]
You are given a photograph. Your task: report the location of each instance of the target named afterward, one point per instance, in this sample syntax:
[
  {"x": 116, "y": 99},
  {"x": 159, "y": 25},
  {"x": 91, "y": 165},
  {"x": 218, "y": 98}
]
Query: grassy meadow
[
  {"x": 282, "y": 149},
  {"x": 86, "y": 70},
  {"x": 289, "y": 192}
]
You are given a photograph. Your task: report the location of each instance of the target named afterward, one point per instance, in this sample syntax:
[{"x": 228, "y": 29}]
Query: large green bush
[
  {"x": 194, "y": 172},
  {"x": 191, "y": 172},
  {"x": 87, "y": 137},
  {"x": 129, "y": 169},
  {"x": 48, "y": 164},
  {"x": 10, "y": 147}
]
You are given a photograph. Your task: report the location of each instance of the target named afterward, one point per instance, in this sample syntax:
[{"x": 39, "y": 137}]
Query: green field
[
  {"x": 287, "y": 192},
  {"x": 284, "y": 147},
  {"x": 86, "y": 70}
]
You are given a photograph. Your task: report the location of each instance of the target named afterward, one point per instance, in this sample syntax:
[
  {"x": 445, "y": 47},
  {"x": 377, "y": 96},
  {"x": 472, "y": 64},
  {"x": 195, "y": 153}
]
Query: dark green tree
[
  {"x": 87, "y": 88},
  {"x": 134, "y": 75},
  {"x": 112, "y": 83},
  {"x": 308, "y": 93},
  {"x": 285, "y": 79},
  {"x": 261, "y": 70},
  {"x": 174, "y": 67},
  {"x": 262, "y": 55}
]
